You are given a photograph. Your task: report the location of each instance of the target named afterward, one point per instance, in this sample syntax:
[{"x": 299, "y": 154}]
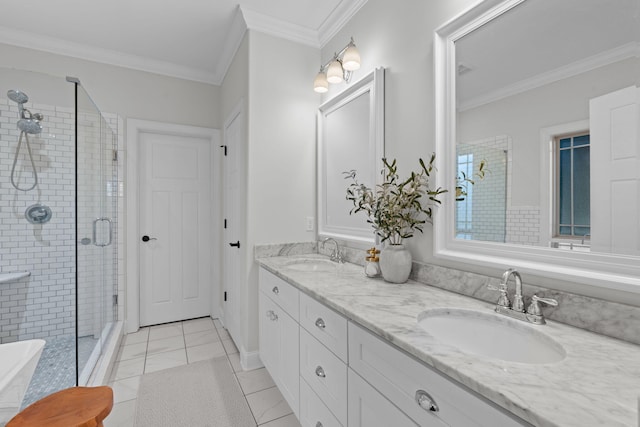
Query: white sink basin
[
  {"x": 18, "y": 363},
  {"x": 491, "y": 335},
  {"x": 311, "y": 264}
]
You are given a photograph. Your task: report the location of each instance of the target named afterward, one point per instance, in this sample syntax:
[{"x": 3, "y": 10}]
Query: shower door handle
[{"x": 95, "y": 231}]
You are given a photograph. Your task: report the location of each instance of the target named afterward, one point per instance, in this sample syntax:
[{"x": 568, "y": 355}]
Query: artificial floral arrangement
[{"x": 396, "y": 208}]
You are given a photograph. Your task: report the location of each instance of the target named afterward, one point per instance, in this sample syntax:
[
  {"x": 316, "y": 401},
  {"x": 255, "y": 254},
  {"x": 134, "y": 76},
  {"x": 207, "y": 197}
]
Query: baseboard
[{"x": 250, "y": 360}]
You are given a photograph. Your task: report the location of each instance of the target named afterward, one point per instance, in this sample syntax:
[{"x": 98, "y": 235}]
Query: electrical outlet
[{"x": 310, "y": 221}]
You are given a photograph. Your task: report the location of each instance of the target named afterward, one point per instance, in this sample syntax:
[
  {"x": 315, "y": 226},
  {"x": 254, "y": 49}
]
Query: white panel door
[
  {"x": 615, "y": 172},
  {"x": 175, "y": 228},
  {"x": 234, "y": 223}
]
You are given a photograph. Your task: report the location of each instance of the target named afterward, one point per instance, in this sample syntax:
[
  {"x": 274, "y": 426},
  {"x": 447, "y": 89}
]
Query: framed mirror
[
  {"x": 350, "y": 137},
  {"x": 547, "y": 94}
]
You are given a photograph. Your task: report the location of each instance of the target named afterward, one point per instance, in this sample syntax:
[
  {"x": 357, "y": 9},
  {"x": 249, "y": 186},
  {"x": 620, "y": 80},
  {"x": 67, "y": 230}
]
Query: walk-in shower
[{"x": 58, "y": 226}]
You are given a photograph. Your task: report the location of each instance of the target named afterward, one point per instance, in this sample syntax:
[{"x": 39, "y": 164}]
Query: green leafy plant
[
  {"x": 396, "y": 208},
  {"x": 463, "y": 181}
]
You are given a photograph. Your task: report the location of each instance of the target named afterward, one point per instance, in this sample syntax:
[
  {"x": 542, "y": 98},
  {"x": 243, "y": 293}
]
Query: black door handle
[
  {"x": 147, "y": 238},
  {"x": 235, "y": 245}
]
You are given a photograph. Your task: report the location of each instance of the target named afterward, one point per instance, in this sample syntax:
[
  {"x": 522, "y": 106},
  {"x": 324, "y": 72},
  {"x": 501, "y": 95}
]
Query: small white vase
[{"x": 395, "y": 263}]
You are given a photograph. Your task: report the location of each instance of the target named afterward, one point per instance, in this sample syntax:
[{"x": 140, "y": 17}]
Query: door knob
[
  {"x": 147, "y": 238},
  {"x": 235, "y": 245}
]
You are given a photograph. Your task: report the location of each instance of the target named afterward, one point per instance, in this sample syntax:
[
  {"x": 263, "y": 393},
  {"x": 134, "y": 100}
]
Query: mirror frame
[
  {"x": 373, "y": 83},
  {"x": 608, "y": 271}
]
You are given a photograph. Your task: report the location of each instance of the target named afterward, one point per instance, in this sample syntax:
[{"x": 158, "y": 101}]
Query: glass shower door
[{"x": 96, "y": 206}]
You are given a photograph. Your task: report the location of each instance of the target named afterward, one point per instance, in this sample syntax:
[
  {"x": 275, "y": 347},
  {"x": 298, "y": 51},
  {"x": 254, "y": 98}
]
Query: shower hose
[{"x": 15, "y": 160}]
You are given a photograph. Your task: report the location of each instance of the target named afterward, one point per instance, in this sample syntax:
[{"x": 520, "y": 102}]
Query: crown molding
[
  {"x": 266, "y": 24},
  {"x": 231, "y": 45},
  {"x": 105, "y": 56},
  {"x": 338, "y": 19},
  {"x": 626, "y": 51}
]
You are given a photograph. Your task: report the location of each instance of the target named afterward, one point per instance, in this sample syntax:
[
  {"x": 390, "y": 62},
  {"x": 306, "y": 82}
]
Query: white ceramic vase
[{"x": 395, "y": 263}]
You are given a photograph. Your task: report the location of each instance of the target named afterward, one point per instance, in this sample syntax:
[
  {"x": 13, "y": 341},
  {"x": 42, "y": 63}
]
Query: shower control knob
[{"x": 147, "y": 238}]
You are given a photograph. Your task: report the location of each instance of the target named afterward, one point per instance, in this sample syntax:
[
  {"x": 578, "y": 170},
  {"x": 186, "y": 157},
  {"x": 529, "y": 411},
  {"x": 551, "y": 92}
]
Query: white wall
[
  {"x": 281, "y": 153},
  {"x": 399, "y": 37},
  {"x": 129, "y": 93}
]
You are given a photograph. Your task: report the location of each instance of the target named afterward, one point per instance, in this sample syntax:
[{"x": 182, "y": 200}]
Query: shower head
[
  {"x": 17, "y": 96},
  {"x": 30, "y": 126}
]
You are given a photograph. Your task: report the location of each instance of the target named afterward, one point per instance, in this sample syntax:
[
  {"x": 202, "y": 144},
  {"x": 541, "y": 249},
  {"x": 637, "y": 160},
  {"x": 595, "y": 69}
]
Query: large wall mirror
[
  {"x": 350, "y": 137},
  {"x": 547, "y": 94}
]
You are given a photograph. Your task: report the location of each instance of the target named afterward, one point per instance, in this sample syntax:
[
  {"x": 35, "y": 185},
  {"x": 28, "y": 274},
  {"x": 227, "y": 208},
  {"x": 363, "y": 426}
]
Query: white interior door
[
  {"x": 615, "y": 172},
  {"x": 234, "y": 222},
  {"x": 175, "y": 227}
]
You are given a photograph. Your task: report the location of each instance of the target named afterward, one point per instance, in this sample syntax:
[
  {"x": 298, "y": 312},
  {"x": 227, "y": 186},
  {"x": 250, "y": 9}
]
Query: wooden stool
[{"x": 72, "y": 407}]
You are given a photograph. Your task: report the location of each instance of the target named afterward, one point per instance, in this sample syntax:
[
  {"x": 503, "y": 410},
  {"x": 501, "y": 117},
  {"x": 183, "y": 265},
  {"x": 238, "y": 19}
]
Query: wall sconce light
[{"x": 339, "y": 68}]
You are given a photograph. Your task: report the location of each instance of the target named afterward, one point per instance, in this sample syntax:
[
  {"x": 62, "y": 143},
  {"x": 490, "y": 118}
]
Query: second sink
[
  {"x": 311, "y": 264},
  {"x": 491, "y": 335}
]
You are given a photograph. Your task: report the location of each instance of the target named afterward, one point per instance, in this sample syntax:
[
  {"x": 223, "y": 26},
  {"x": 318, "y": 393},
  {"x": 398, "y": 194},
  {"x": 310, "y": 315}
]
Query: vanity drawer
[
  {"x": 327, "y": 326},
  {"x": 314, "y": 413},
  {"x": 325, "y": 374},
  {"x": 281, "y": 292},
  {"x": 399, "y": 377}
]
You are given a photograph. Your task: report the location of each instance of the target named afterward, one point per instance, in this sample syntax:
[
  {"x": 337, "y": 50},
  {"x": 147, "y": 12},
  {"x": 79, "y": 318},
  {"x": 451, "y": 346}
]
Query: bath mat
[{"x": 202, "y": 394}]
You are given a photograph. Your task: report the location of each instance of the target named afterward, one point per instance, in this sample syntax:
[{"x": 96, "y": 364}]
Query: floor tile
[
  {"x": 229, "y": 346},
  {"x": 234, "y": 358},
  {"x": 160, "y": 361},
  {"x": 133, "y": 351},
  {"x": 198, "y": 325},
  {"x": 256, "y": 380},
  {"x": 204, "y": 352},
  {"x": 165, "y": 344},
  {"x": 137, "y": 337},
  {"x": 201, "y": 338},
  {"x": 224, "y": 334},
  {"x": 268, "y": 405},
  {"x": 165, "y": 331},
  {"x": 125, "y": 389},
  {"x": 121, "y": 415},
  {"x": 288, "y": 421},
  {"x": 128, "y": 368}
]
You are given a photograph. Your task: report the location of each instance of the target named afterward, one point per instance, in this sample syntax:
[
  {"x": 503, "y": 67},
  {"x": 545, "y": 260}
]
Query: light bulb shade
[
  {"x": 320, "y": 83},
  {"x": 335, "y": 72},
  {"x": 351, "y": 59}
]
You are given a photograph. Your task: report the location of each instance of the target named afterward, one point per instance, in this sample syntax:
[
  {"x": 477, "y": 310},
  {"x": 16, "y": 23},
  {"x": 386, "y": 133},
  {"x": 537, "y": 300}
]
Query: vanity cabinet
[
  {"x": 334, "y": 373},
  {"x": 279, "y": 337}
]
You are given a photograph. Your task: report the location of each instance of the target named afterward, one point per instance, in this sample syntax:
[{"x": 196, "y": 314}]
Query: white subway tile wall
[{"x": 43, "y": 305}]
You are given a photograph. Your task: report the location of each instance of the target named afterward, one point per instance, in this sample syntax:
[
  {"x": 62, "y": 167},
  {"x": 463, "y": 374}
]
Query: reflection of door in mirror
[{"x": 558, "y": 66}]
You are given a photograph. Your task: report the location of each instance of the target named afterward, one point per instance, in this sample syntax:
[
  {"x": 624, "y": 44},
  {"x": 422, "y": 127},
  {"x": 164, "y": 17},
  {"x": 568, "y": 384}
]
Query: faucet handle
[
  {"x": 534, "y": 307},
  {"x": 503, "y": 300}
]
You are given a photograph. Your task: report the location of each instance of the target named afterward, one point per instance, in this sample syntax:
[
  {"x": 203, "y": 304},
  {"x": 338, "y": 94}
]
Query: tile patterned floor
[{"x": 175, "y": 344}]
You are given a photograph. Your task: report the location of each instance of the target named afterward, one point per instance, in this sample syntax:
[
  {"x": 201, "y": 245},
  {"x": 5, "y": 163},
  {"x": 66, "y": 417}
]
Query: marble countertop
[{"x": 597, "y": 384}]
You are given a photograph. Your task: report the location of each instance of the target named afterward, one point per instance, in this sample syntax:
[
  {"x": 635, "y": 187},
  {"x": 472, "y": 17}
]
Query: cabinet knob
[
  {"x": 320, "y": 323},
  {"x": 275, "y": 290},
  {"x": 320, "y": 372},
  {"x": 426, "y": 402},
  {"x": 318, "y": 424},
  {"x": 272, "y": 316}
]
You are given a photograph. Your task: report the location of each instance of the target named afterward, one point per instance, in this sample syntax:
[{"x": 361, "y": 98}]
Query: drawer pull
[
  {"x": 320, "y": 372},
  {"x": 275, "y": 290},
  {"x": 318, "y": 424},
  {"x": 272, "y": 316},
  {"x": 320, "y": 323},
  {"x": 426, "y": 402}
]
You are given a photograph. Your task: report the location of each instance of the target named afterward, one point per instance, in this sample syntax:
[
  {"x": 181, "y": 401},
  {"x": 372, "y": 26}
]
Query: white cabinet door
[
  {"x": 368, "y": 408},
  {"x": 279, "y": 349}
]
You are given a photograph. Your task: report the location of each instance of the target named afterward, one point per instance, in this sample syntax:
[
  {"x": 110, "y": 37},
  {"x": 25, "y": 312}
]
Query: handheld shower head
[
  {"x": 17, "y": 96},
  {"x": 29, "y": 126}
]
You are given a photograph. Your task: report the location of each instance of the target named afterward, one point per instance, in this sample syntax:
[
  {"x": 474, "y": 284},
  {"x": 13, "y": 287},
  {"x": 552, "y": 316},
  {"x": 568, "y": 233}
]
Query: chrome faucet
[
  {"x": 336, "y": 255},
  {"x": 533, "y": 314}
]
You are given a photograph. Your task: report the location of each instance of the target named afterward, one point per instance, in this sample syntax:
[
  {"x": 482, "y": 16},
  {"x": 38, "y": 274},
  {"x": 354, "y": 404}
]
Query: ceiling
[
  {"x": 538, "y": 42},
  {"x": 190, "y": 39}
]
